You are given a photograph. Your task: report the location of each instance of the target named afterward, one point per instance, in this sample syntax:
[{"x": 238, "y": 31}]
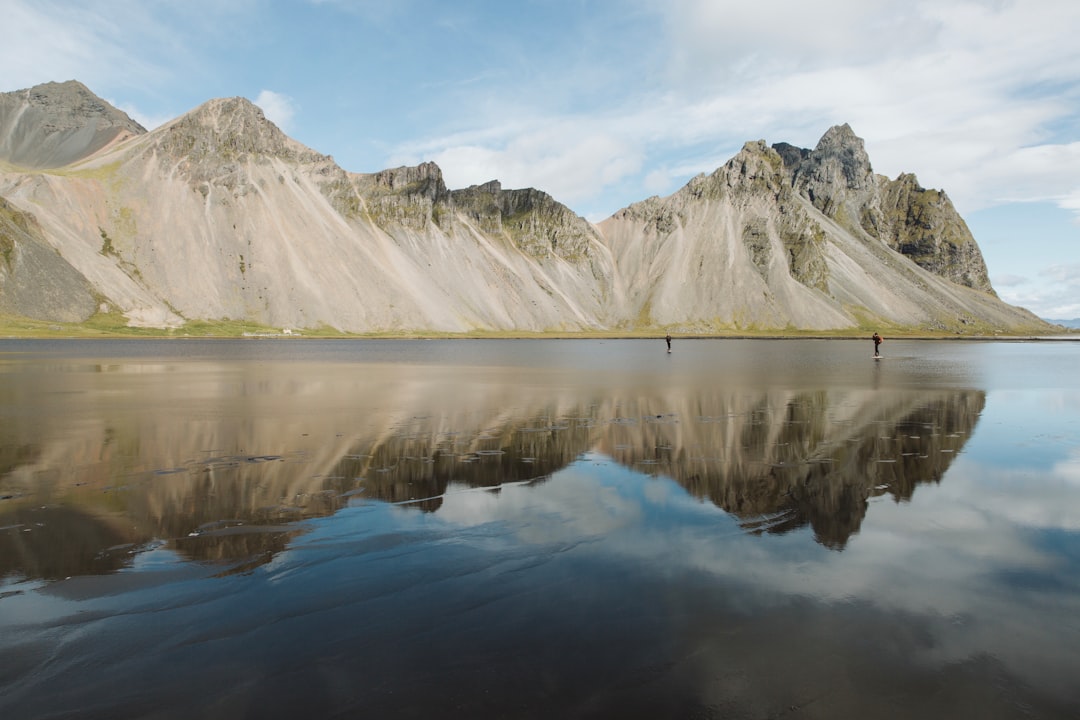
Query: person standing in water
[
  {"x": 877, "y": 343},
  {"x": 668, "y": 338}
]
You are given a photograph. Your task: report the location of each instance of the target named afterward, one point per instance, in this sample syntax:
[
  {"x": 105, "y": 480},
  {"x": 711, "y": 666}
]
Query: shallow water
[{"x": 539, "y": 528}]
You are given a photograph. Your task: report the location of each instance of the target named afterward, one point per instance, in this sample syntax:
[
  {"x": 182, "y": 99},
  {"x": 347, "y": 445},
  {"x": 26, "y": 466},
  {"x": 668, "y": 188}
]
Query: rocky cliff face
[
  {"x": 921, "y": 224},
  {"x": 220, "y": 215},
  {"x": 407, "y": 197},
  {"x": 537, "y": 224}
]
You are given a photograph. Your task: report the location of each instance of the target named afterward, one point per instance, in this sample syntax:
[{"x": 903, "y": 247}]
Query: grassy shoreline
[{"x": 24, "y": 328}]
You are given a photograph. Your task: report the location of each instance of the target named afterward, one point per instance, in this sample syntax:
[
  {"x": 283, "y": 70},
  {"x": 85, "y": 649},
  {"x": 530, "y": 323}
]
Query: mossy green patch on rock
[
  {"x": 657, "y": 215},
  {"x": 13, "y": 223},
  {"x": 405, "y": 197},
  {"x": 806, "y": 258},
  {"x": 755, "y": 238},
  {"x": 107, "y": 248}
]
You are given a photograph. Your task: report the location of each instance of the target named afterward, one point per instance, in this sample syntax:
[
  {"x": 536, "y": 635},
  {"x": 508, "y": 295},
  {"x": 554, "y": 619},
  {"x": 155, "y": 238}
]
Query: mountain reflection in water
[
  {"x": 777, "y": 461},
  {"x": 539, "y": 529},
  {"x": 219, "y": 464}
]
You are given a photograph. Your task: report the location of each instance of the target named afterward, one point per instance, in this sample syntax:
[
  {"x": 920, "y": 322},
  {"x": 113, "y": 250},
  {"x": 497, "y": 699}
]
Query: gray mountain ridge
[
  {"x": 52, "y": 125},
  {"x": 218, "y": 215}
]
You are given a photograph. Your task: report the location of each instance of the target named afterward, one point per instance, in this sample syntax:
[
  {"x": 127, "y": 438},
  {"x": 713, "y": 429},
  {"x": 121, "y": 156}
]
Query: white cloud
[
  {"x": 1071, "y": 201},
  {"x": 147, "y": 121},
  {"x": 660, "y": 180},
  {"x": 940, "y": 555},
  {"x": 1046, "y": 301},
  {"x": 1069, "y": 470},
  {"x": 964, "y": 94},
  {"x": 1008, "y": 280},
  {"x": 1068, "y": 274},
  {"x": 1053, "y": 295},
  {"x": 945, "y": 107},
  {"x": 728, "y": 40},
  {"x": 57, "y": 41},
  {"x": 1023, "y": 174},
  {"x": 278, "y": 108},
  {"x": 570, "y": 158},
  {"x": 598, "y": 510},
  {"x": 1008, "y": 498},
  {"x": 569, "y": 172}
]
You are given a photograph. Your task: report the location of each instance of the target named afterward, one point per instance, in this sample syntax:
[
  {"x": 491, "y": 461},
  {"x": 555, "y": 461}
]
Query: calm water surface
[{"x": 539, "y": 529}]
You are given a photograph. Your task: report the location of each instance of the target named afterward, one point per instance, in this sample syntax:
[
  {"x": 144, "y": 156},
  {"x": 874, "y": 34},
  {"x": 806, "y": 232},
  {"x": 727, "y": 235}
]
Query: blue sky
[{"x": 602, "y": 102}]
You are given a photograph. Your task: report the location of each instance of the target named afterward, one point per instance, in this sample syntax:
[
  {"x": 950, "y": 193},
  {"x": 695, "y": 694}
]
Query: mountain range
[{"x": 218, "y": 215}]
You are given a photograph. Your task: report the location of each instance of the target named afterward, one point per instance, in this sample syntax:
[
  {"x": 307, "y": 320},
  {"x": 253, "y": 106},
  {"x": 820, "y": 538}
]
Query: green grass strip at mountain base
[{"x": 113, "y": 325}]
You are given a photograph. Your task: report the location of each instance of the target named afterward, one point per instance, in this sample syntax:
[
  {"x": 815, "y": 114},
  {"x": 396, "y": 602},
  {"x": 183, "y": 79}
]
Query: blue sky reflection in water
[{"x": 539, "y": 528}]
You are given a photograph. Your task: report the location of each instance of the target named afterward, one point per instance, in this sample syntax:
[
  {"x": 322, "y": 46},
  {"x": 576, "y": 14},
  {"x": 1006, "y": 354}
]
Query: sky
[{"x": 603, "y": 103}]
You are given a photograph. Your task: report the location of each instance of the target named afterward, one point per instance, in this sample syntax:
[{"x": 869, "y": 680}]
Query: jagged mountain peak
[
  {"x": 71, "y": 105},
  {"x": 840, "y": 136},
  {"x": 919, "y": 223},
  {"x": 911, "y": 181},
  {"x": 216, "y": 140},
  {"x": 792, "y": 155},
  {"x": 235, "y": 114},
  {"x": 55, "y": 124},
  {"x": 226, "y": 129},
  {"x": 838, "y": 163},
  {"x": 757, "y": 166}
]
